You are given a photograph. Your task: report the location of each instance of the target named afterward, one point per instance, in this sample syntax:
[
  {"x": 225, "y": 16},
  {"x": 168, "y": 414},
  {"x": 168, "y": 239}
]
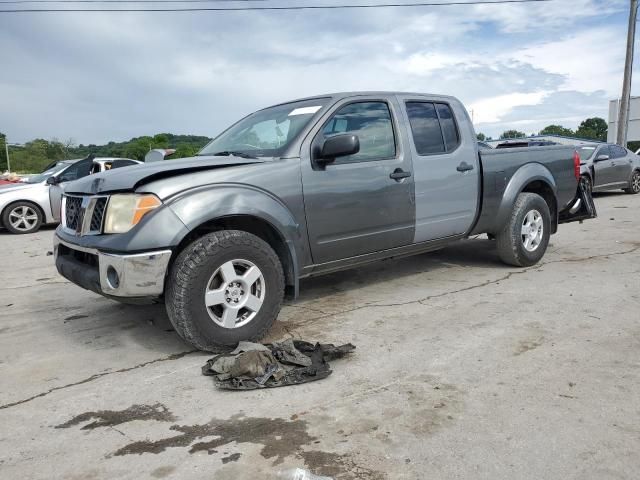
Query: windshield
[
  {"x": 266, "y": 133},
  {"x": 586, "y": 152},
  {"x": 41, "y": 177}
]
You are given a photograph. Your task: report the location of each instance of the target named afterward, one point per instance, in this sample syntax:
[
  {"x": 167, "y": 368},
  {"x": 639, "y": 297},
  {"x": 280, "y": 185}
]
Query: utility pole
[
  {"x": 623, "y": 104},
  {"x": 6, "y": 150}
]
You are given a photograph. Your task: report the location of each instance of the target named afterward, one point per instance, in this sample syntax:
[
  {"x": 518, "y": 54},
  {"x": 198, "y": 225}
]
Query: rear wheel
[
  {"x": 22, "y": 217},
  {"x": 524, "y": 239},
  {"x": 225, "y": 287},
  {"x": 634, "y": 184}
]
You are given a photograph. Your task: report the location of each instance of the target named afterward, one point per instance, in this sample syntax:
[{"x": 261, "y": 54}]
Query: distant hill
[
  {"x": 35, "y": 155},
  {"x": 137, "y": 148}
]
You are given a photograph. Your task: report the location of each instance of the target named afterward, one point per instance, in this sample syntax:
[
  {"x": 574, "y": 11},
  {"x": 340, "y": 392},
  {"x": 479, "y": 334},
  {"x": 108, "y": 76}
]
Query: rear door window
[
  {"x": 433, "y": 127},
  {"x": 449, "y": 128},
  {"x": 617, "y": 151},
  {"x": 122, "y": 163},
  {"x": 425, "y": 127}
]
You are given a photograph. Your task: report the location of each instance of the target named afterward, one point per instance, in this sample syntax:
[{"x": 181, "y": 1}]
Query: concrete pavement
[{"x": 465, "y": 368}]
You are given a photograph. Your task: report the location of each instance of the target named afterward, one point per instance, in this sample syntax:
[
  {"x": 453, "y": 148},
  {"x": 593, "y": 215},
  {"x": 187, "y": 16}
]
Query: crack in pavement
[
  {"x": 361, "y": 307},
  {"x": 39, "y": 284},
  {"x": 471, "y": 287},
  {"x": 174, "y": 356}
]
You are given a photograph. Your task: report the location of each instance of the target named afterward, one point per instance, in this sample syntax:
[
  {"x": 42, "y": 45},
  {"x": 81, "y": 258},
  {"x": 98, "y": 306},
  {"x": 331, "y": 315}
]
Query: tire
[
  {"x": 586, "y": 180},
  {"x": 529, "y": 209},
  {"x": 634, "y": 184},
  {"x": 22, "y": 217},
  {"x": 224, "y": 264}
]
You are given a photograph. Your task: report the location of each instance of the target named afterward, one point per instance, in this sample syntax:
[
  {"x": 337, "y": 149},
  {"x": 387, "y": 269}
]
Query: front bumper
[{"x": 126, "y": 276}]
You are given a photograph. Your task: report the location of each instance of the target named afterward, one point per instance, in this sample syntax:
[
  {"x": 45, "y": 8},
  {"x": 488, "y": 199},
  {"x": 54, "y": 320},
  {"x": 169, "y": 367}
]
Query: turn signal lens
[{"x": 124, "y": 211}]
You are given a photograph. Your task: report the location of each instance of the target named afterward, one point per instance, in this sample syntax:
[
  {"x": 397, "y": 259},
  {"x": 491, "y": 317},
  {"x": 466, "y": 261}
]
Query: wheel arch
[
  {"x": 256, "y": 226},
  {"x": 543, "y": 189},
  {"x": 247, "y": 209},
  {"x": 530, "y": 178}
]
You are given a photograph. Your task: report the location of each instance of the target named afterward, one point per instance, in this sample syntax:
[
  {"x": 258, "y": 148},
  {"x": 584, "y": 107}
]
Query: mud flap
[{"x": 580, "y": 208}]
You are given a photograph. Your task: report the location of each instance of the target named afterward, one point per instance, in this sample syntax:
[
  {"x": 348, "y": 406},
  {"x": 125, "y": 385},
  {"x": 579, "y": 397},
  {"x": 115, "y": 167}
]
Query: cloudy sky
[{"x": 96, "y": 77}]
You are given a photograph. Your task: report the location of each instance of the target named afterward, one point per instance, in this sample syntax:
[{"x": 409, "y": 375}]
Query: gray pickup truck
[{"x": 305, "y": 188}]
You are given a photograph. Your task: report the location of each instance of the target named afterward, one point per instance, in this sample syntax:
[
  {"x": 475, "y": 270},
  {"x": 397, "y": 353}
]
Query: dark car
[
  {"x": 608, "y": 166},
  {"x": 525, "y": 143}
]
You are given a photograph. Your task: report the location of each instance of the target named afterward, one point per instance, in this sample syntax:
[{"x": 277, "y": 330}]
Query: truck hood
[{"x": 130, "y": 178}]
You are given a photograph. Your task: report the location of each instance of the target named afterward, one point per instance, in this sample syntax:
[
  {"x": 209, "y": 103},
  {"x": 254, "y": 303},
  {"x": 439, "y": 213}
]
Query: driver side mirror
[
  {"x": 52, "y": 180},
  {"x": 600, "y": 158},
  {"x": 338, "y": 146}
]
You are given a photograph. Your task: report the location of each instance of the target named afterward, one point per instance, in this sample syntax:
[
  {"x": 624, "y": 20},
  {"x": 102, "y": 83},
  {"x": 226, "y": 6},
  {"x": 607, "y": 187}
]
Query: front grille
[
  {"x": 73, "y": 206},
  {"x": 83, "y": 215},
  {"x": 98, "y": 214}
]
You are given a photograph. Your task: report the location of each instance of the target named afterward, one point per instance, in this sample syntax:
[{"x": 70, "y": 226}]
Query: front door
[
  {"x": 361, "y": 203},
  {"x": 446, "y": 170}
]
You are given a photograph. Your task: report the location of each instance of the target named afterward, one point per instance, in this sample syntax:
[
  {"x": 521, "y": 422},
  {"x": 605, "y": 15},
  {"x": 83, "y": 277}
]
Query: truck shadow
[
  {"x": 149, "y": 325},
  {"x": 472, "y": 253}
]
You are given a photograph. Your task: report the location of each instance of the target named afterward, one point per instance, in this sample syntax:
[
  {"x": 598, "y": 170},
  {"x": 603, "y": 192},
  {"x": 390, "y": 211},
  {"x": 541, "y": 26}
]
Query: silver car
[
  {"x": 26, "y": 206},
  {"x": 607, "y": 166}
]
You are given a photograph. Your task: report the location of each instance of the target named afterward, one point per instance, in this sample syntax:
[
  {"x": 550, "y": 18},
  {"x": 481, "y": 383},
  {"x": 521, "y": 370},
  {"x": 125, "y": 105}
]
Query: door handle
[
  {"x": 464, "y": 166},
  {"x": 398, "y": 174},
  {"x": 613, "y": 164}
]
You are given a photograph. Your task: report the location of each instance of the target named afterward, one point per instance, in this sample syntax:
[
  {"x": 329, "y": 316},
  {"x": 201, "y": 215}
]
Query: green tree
[
  {"x": 481, "y": 136},
  {"x": 557, "y": 130},
  {"x": 185, "y": 150},
  {"x": 138, "y": 148},
  {"x": 594, "y": 128},
  {"x": 512, "y": 134}
]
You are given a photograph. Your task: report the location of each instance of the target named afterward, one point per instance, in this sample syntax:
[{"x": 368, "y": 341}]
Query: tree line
[
  {"x": 590, "y": 129},
  {"x": 35, "y": 155}
]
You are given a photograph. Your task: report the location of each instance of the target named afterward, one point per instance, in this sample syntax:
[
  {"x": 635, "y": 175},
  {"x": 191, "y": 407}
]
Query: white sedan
[{"x": 26, "y": 206}]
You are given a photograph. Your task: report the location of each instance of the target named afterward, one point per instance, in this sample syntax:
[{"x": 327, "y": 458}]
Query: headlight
[{"x": 124, "y": 211}]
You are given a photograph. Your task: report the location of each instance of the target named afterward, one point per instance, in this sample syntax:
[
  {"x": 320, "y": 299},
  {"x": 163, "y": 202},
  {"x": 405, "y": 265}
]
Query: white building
[{"x": 633, "y": 132}]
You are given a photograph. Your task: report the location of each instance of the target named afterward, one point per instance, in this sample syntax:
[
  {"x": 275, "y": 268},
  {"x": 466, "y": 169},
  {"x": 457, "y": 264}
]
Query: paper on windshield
[{"x": 305, "y": 110}]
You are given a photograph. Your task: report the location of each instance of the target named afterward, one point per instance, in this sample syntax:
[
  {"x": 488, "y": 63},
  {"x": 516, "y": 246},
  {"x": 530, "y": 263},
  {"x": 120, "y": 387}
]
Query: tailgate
[{"x": 580, "y": 208}]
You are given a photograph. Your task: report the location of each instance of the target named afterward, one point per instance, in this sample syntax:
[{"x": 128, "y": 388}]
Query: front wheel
[
  {"x": 225, "y": 287},
  {"x": 524, "y": 239},
  {"x": 22, "y": 217},
  {"x": 634, "y": 184}
]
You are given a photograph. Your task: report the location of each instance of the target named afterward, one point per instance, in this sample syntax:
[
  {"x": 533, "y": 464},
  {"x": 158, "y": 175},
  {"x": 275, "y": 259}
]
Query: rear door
[
  {"x": 355, "y": 205},
  {"x": 604, "y": 169},
  {"x": 445, "y": 165},
  {"x": 622, "y": 163}
]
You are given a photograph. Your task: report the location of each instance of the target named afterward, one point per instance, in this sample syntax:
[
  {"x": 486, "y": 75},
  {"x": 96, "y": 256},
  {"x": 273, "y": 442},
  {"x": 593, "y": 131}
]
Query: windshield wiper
[{"x": 230, "y": 153}]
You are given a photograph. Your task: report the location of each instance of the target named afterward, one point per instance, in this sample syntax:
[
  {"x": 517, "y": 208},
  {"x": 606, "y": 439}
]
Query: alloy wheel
[
  {"x": 235, "y": 293},
  {"x": 532, "y": 230},
  {"x": 23, "y": 218},
  {"x": 635, "y": 182}
]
